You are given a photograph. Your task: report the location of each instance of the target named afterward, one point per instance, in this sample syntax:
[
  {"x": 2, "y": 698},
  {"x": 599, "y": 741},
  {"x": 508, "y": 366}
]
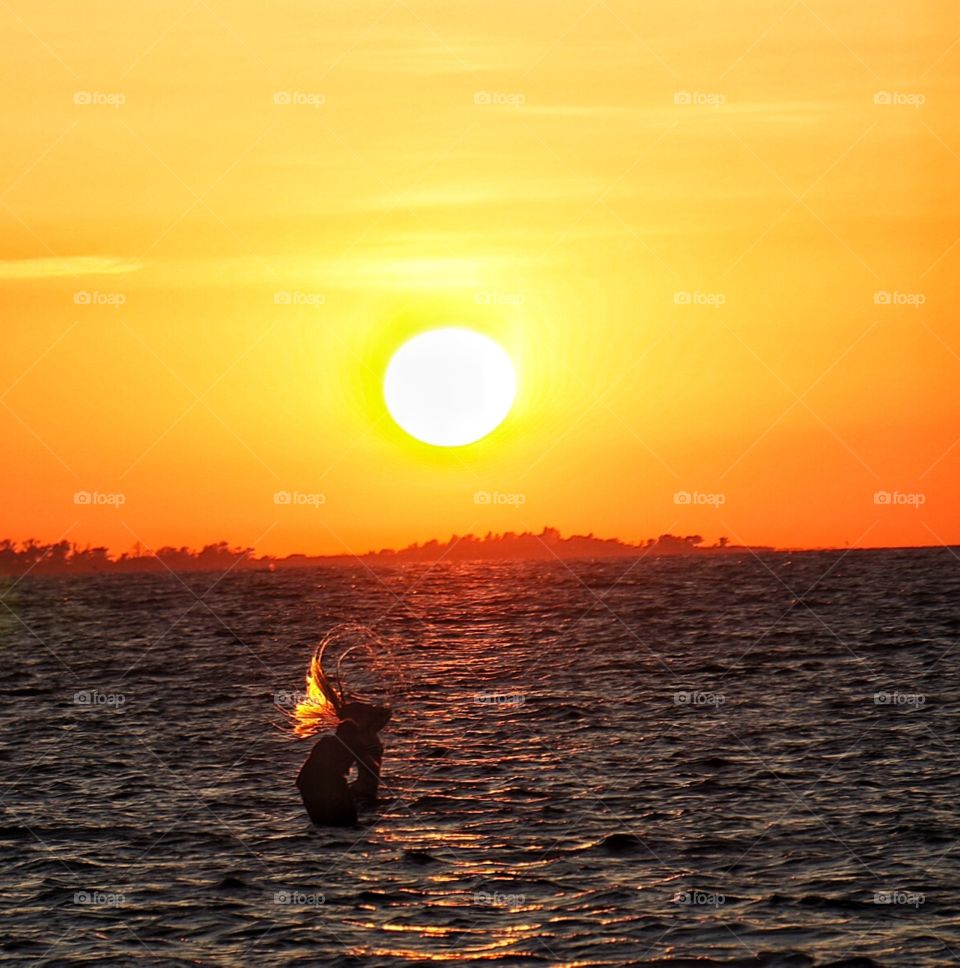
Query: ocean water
[{"x": 722, "y": 761}]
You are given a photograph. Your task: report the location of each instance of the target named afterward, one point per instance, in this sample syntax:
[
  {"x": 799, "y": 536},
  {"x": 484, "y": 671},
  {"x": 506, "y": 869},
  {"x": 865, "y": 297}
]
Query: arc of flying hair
[
  {"x": 332, "y": 695},
  {"x": 343, "y": 694},
  {"x": 327, "y": 695}
]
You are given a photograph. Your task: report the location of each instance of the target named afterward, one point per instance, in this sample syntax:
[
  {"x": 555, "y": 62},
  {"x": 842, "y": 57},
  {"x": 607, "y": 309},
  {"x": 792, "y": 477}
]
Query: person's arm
[{"x": 369, "y": 762}]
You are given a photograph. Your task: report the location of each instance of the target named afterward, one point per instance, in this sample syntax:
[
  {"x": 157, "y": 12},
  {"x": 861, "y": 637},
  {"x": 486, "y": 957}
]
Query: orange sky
[{"x": 683, "y": 220}]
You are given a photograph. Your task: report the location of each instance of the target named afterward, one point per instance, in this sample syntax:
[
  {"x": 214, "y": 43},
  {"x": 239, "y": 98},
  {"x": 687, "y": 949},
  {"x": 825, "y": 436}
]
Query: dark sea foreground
[{"x": 723, "y": 761}]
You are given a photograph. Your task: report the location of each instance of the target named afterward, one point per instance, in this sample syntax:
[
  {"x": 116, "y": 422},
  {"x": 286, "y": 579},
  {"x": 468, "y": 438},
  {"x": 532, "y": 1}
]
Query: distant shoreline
[{"x": 63, "y": 558}]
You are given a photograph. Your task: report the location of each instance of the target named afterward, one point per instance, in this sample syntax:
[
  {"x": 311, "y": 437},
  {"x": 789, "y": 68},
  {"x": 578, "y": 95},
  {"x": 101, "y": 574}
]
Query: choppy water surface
[{"x": 666, "y": 762}]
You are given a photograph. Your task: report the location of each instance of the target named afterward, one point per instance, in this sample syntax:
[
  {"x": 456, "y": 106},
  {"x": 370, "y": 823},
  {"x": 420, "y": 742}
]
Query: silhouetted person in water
[
  {"x": 370, "y": 719},
  {"x": 322, "y": 779}
]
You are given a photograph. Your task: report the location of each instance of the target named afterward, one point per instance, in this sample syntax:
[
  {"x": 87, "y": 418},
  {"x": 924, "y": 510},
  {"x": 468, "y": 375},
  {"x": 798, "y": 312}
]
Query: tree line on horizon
[{"x": 64, "y": 557}]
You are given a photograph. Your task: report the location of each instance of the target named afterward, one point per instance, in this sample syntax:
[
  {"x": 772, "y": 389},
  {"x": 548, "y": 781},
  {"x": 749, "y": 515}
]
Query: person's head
[
  {"x": 348, "y": 732},
  {"x": 367, "y": 716}
]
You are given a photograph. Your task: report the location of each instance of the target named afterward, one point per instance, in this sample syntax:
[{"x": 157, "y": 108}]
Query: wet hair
[{"x": 376, "y": 717}]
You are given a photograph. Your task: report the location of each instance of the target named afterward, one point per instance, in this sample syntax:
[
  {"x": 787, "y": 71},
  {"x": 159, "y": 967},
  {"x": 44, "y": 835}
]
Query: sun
[{"x": 450, "y": 387}]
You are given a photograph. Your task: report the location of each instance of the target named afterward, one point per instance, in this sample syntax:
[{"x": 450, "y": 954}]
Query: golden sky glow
[{"x": 718, "y": 241}]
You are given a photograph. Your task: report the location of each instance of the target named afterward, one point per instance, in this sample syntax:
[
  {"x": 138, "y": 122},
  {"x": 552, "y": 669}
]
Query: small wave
[
  {"x": 232, "y": 882},
  {"x": 419, "y": 858},
  {"x": 618, "y": 843}
]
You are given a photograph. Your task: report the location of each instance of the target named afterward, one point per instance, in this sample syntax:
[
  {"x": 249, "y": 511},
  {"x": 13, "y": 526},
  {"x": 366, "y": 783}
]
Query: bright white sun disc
[{"x": 450, "y": 386}]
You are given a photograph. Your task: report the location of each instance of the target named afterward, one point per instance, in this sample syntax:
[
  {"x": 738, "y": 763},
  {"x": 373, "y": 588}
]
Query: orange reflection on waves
[{"x": 488, "y": 950}]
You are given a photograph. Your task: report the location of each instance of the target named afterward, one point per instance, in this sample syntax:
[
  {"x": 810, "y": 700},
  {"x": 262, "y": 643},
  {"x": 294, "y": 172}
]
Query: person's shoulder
[{"x": 327, "y": 741}]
